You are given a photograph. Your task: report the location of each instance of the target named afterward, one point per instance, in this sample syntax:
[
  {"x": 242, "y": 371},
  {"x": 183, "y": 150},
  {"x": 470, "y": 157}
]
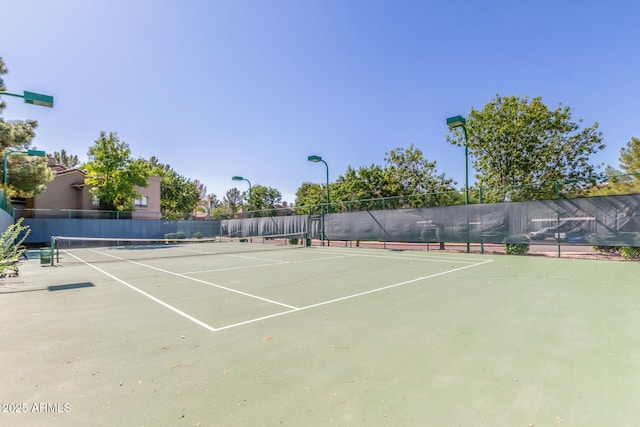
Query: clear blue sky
[{"x": 253, "y": 87}]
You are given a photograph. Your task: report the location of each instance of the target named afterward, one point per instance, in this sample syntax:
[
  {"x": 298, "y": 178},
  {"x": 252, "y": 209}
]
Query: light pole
[
  {"x": 36, "y": 153},
  {"x": 316, "y": 159},
  {"x": 239, "y": 178},
  {"x": 33, "y": 98},
  {"x": 456, "y": 122}
]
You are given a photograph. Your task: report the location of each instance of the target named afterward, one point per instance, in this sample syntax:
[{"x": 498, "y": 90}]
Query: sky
[{"x": 217, "y": 89}]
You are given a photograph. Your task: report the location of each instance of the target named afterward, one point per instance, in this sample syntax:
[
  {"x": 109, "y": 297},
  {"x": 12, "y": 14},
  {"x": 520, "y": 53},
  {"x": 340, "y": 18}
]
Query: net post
[{"x": 52, "y": 244}]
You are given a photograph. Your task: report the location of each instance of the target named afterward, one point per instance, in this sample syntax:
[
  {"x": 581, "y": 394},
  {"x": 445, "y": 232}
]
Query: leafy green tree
[
  {"x": 361, "y": 185},
  {"x": 214, "y": 207},
  {"x": 28, "y": 175},
  {"x": 406, "y": 179},
  {"x": 179, "y": 196},
  {"x": 67, "y": 160},
  {"x": 210, "y": 203},
  {"x": 410, "y": 175},
  {"x": 516, "y": 143},
  {"x": 232, "y": 201},
  {"x": 112, "y": 173},
  {"x": 630, "y": 160},
  {"x": 309, "y": 196},
  {"x": 627, "y": 179},
  {"x": 263, "y": 200},
  {"x": 202, "y": 189}
]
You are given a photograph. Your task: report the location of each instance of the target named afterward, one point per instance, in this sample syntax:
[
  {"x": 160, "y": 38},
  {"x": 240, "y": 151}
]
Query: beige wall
[
  {"x": 152, "y": 192},
  {"x": 61, "y": 195}
]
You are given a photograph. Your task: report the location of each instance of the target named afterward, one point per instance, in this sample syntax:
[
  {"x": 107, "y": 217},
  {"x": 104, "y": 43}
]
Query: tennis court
[{"x": 197, "y": 335}]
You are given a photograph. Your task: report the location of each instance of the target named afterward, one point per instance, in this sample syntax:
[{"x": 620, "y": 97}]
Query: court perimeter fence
[{"x": 596, "y": 221}]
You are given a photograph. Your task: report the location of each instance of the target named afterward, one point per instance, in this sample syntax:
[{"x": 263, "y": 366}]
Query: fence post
[
  {"x": 557, "y": 190},
  {"x": 481, "y": 233}
]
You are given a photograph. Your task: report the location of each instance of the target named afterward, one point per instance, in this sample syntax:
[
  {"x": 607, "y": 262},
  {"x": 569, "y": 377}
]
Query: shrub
[
  {"x": 630, "y": 252},
  {"x": 197, "y": 235},
  {"x": 181, "y": 235},
  {"x": 601, "y": 245},
  {"x": 620, "y": 245},
  {"x": 293, "y": 241},
  {"x": 11, "y": 245},
  {"x": 518, "y": 244},
  {"x": 170, "y": 236}
]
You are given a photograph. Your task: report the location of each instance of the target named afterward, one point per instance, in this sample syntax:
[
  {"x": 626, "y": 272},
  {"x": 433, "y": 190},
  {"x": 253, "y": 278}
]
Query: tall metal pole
[
  {"x": 240, "y": 178},
  {"x": 455, "y": 122},
  {"x": 466, "y": 181},
  {"x": 328, "y": 204},
  {"x": 316, "y": 159}
]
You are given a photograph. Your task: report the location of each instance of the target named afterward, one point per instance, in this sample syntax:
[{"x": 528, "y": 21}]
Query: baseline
[{"x": 426, "y": 258}]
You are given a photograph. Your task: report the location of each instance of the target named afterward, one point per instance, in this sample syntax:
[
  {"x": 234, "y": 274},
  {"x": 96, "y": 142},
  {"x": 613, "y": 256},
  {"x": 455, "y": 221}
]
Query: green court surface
[{"x": 320, "y": 337}]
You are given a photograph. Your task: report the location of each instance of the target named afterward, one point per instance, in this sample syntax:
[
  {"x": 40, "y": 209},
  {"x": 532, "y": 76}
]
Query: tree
[
  {"x": 407, "y": 178},
  {"x": 263, "y": 200},
  {"x": 361, "y": 185},
  {"x": 66, "y": 160},
  {"x": 178, "y": 195},
  {"x": 202, "y": 189},
  {"x": 309, "y": 196},
  {"x": 202, "y": 195},
  {"x": 232, "y": 200},
  {"x": 627, "y": 179},
  {"x": 214, "y": 207},
  {"x": 210, "y": 203},
  {"x": 29, "y": 175},
  {"x": 410, "y": 174},
  {"x": 112, "y": 173},
  {"x": 630, "y": 159},
  {"x": 517, "y": 143},
  {"x": 3, "y": 71}
]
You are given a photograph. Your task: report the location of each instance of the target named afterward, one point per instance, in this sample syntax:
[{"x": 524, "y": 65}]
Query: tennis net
[{"x": 69, "y": 250}]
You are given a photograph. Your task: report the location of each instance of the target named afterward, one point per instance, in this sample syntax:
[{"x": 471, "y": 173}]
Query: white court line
[
  {"x": 255, "y": 258},
  {"x": 428, "y": 258},
  {"x": 359, "y": 294},
  {"x": 269, "y": 265},
  {"x": 292, "y": 308},
  {"x": 197, "y": 280},
  {"x": 151, "y": 297}
]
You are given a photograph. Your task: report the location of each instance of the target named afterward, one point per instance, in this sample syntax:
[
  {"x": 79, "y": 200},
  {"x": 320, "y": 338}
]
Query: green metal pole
[
  {"x": 328, "y": 205},
  {"x": 250, "y": 199},
  {"x": 53, "y": 244},
  {"x": 481, "y": 233},
  {"x": 555, "y": 183},
  {"x": 466, "y": 180}
]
